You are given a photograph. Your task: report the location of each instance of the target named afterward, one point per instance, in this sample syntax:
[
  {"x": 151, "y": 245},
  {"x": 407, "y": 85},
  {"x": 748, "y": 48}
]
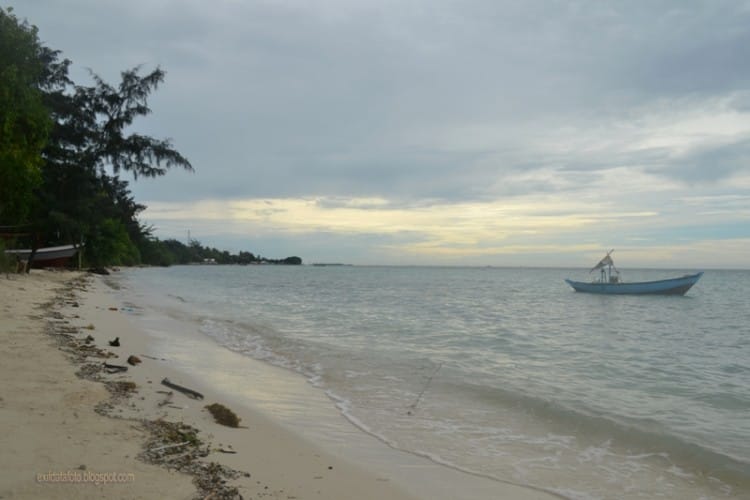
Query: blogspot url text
[{"x": 85, "y": 476}]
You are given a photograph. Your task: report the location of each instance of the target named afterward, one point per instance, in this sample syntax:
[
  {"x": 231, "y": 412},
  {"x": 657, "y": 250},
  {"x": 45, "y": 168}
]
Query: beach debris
[
  {"x": 167, "y": 400},
  {"x": 90, "y": 371},
  {"x": 168, "y": 446},
  {"x": 223, "y": 415},
  {"x": 188, "y": 392},
  {"x": 177, "y": 446},
  {"x": 115, "y": 368},
  {"x": 115, "y": 343},
  {"x": 112, "y": 308},
  {"x": 92, "y": 350},
  {"x": 413, "y": 406},
  {"x": 133, "y": 360},
  {"x": 120, "y": 390},
  {"x": 121, "y": 386},
  {"x": 90, "y": 326},
  {"x": 226, "y": 450},
  {"x": 98, "y": 270},
  {"x": 209, "y": 478},
  {"x": 79, "y": 349},
  {"x": 211, "y": 481}
]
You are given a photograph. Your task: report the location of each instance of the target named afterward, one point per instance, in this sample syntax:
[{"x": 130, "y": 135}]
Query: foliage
[
  {"x": 168, "y": 252},
  {"x": 58, "y": 173},
  {"x": 156, "y": 253},
  {"x": 79, "y": 198},
  {"x": 63, "y": 147},
  {"x": 24, "y": 121},
  {"x": 111, "y": 245}
]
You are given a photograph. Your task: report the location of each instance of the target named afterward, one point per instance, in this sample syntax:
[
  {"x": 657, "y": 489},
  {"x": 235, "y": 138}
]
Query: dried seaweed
[
  {"x": 223, "y": 415},
  {"x": 176, "y": 445}
]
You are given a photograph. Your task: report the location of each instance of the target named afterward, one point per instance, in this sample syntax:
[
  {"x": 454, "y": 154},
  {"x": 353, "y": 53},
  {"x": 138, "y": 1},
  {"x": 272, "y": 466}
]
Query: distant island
[{"x": 170, "y": 252}]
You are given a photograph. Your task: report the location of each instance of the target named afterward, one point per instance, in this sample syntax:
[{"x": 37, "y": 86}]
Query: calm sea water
[{"x": 506, "y": 373}]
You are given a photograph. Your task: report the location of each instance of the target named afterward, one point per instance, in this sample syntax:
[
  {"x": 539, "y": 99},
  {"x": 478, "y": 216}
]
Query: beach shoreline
[{"x": 270, "y": 460}]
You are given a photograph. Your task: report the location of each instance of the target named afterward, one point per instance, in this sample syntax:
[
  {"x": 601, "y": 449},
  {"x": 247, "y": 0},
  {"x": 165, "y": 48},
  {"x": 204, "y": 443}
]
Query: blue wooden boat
[{"x": 609, "y": 282}]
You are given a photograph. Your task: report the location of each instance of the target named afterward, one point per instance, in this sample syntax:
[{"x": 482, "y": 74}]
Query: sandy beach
[{"x": 72, "y": 429}]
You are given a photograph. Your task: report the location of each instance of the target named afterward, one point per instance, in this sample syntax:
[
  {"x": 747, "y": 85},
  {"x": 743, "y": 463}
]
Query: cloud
[
  {"x": 458, "y": 228},
  {"x": 712, "y": 163},
  {"x": 445, "y": 128}
]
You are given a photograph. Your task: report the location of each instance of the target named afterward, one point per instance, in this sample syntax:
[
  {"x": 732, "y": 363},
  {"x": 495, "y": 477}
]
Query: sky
[{"x": 474, "y": 132}]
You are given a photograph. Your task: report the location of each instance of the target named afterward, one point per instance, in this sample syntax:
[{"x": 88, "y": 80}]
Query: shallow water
[{"x": 506, "y": 373}]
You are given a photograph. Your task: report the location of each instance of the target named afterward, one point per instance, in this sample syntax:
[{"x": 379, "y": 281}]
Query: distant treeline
[
  {"x": 169, "y": 252},
  {"x": 63, "y": 147}
]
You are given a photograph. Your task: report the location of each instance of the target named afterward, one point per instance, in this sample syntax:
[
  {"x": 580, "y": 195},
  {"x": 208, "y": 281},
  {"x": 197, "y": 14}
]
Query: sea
[{"x": 503, "y": 373}]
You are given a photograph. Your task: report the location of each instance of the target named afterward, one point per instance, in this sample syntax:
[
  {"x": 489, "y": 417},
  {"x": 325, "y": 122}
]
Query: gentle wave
[
  {"x": 501, "y": 377},
  {"x": 655, "y": 446}
]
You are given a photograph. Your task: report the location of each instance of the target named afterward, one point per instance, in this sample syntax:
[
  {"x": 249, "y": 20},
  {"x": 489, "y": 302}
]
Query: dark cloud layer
[{"x": 417, "y": 102}]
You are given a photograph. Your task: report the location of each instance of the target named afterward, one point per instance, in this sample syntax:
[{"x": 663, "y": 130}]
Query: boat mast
[{"x": 605, "y": 266}]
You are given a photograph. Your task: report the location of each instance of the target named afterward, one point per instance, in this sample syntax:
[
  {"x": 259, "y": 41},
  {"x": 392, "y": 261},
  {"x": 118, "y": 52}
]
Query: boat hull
[
  {"x": 46, "y": 257},
  {"x": 673, "y": 286}
]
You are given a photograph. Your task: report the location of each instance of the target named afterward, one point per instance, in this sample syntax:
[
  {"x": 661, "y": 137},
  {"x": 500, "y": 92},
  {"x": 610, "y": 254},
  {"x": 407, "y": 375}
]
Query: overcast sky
[{"x": 481, "y": 132}]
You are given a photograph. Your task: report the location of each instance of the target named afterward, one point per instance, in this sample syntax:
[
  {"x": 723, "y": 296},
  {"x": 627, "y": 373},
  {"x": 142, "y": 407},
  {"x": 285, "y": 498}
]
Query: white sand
[{"x": 47, "y": 413}]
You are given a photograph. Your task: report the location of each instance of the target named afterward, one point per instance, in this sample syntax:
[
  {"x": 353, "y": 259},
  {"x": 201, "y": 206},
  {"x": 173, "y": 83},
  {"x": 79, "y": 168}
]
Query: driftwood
[
  {"x": 166, "y": 447},
  {"x": 167, "y": 400},
  {"x": 188, "y": 392},
  {"x": 172, "y": 458},
  {"x": 115, "y": 368}
]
